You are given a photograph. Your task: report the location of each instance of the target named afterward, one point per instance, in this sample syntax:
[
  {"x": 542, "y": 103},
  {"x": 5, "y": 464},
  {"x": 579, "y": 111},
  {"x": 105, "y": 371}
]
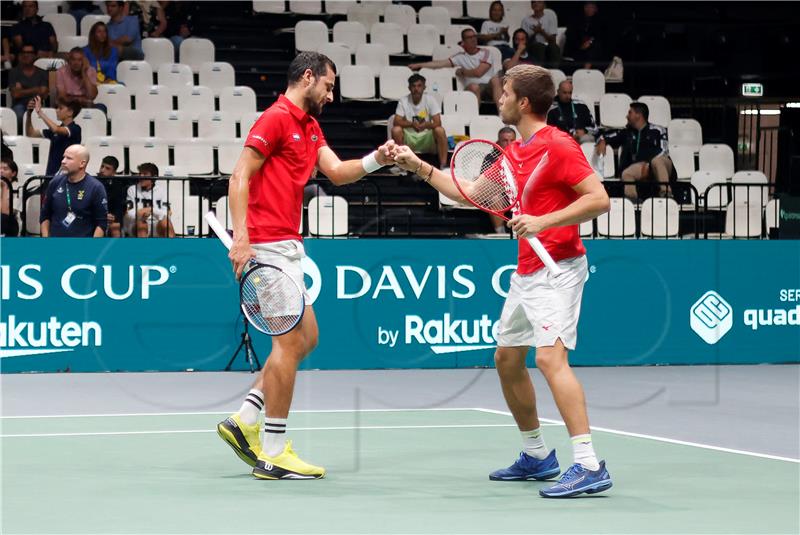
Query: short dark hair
[
  {"x": 27, "y": 43},
  {"x": 76, "y": 49},
  {"x": 506, "y": 130},
  {"x": 641, "y": 108},
  {"x": 148, "y": 168},
  {"x": 11, "y": 165},
  {"x": 535, "y": 84},
  {"x": 112, "y": 161},
  {"x": 414, "y": 78},
  {"x": 314, "y": 61},
  {"x": 74, "y": 106},
  {"x": 467, "y": 29}
]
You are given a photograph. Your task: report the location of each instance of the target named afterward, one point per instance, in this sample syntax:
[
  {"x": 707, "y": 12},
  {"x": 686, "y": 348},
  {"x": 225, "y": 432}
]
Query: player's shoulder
[{"x": 558, "y": 141}]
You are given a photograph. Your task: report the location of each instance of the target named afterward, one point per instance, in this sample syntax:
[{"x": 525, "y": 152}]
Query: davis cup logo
[{"x": 711, "y": 317}]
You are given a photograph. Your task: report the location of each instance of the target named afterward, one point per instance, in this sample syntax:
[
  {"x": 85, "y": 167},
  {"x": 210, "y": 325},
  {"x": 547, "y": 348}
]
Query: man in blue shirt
[
  {"x": 75, "y": 204},
  {"x": 124, "y": 32},
  {"x": 61, "y": 135}
]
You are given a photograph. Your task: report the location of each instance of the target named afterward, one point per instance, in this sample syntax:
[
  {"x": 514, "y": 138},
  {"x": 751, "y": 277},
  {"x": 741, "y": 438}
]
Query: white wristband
[{"x": 370, "y": 163}]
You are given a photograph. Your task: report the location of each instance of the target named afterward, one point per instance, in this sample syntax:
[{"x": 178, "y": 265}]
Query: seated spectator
[
  {"x": 26, "y": 81},
  {"x": 9, "y": 201},
  {"x": 505, "y": 137},
  {"x": 152, "y": 20},
  {"x": 77, "y": 80},
  {"x": 179, "y": 23},
  {"x": 520, "y": 55},
  {"x": 585, "y": 38},
  {"x": 74, "y": 205},
  {"x": 101, "y": 55},
  {"x": 473, "y": 66},
  {"x": 644, "y": 151},
  {"x": 571, "y": 116},
  {"x": 148, "y": 210},
  {"x": 124, "y": 32},
  {"x": 418, "y": 121},
  {"x": 33, "y": 30},
  {"x": 542, "y": 29},
  {"x": 61, "y": 136},
  {"x": 494, "y": 32},
  {"x": 116, "y": 191}
]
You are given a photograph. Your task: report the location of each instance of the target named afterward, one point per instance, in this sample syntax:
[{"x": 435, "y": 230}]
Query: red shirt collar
[{"x": 298, "y": 114}]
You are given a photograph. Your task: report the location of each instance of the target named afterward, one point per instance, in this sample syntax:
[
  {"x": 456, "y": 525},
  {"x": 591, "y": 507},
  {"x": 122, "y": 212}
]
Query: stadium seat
[
  {"x": 174, "y": 125},
  {"x": 394, "y": 82},
  {"x": 558, "y": 76},
  {"x": 452, "y": 35},
  {"x": 588, "y": 85},
  {"x": 402, "y": 15},
  {"x": 237, "y": 100},
  {"x": 717, "y": 157},
  {"x": 327, "y": 216},
  {"x": 445, "y": 51},
  {"x": 683, "y": 160},
  {"x": 158, "y": 51},
  {"x": 455, "y": 124},
  {"x": 659, "y": 108},
  {"x": 485, "y": 127},
  {"x": 195, "y": 100},
  {"x": 22, "y": 148},
  {"x": 42, "y": 146},
  {"x": 438, "y": 82},
  {"x": 604, "y": 166},
  {"x": 68, "y": 42},
  {"x": 422, "y": 38},
  {"x": 195, "y": 51},
  {"x": 350, "y": 33},
  {"x": 717, "y": 196},
  {"x": 63, "y": 24},
  {"x": 614, "y": 110},
  {"x": 357, "y": 82},
  {"x": 771, "y": 212},
  {"x": 515, "y": 13},
  {"x": 246, "y": 122},
  {"x": 217, "y": 75},
  {"x": 743, "y": 220},
  {"x": 495, "y": 58},
  {"x": 461, "y": 102},
  {"x": 586, "y": 229},
  {"x": 175, "y": 75},
  {"x": 479, "y": 9},
  {"x": 659, "y": 218},
  {"x": 37, "y": 122},
  {"x": 227, "y": 156},
  {"x": 686, "y": 133},
  {"x": 366, "y": 14},
  {"x": 438, "y": 17},
  {"x": 152, "y": 149},
  {"x": 309, "y": 35},
  {"x": 8, "y": 121},
  {"x": 93, "y": 123},
  {"x": 195, "y": 156},
  {"x": 135, "y": 74},
  {"x": 373, "y": 56},
  {"x": 153, "y": 98},
  {"x": 33, "y": 209},
  {"x": 216, "y": 125},
  {"x": 340, "y": 54},
  {"x": 100, "y": 147},
  {"x": 619, "y": 221},
  {"x": 750, "y": 194},
  {"x": 305, "y": 7},
  {"x": 30, "y": 170},
  {"x": 389, "y": 35},
  {"x": 337, "y": 7},
  {"x": 269, "y": 6},
  {"x": 89, "y": 20},
  {"x": 132, "y": 124},
  {"x": 454, "y": 7}
]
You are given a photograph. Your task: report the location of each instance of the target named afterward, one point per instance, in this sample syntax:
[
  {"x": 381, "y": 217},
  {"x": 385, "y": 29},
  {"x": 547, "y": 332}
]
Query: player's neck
[
  {"x": 529, "y": 125},
  {"x": 296, "y": 97}
]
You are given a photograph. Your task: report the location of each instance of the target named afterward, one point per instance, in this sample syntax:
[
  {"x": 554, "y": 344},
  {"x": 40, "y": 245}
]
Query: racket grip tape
[{"x": 544, "y": 256}]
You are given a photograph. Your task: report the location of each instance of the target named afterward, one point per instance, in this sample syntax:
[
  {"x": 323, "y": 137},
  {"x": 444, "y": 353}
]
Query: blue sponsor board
[{"x": 158, "y": 304}]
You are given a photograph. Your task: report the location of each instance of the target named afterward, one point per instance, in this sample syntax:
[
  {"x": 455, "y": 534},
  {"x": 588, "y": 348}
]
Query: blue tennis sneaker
[
  {"x": 526, "y": 468},
  {"x": 577, "y": 480}
]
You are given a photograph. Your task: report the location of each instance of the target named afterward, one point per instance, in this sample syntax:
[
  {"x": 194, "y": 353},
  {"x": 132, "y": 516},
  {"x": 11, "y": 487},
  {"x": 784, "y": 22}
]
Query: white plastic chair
[
  {"x": 116, "y": 97},
  {"x": 619, "y": 221},
  {"x": 389, "y": 35},
  {"x": 351, "y": 33},
  {"x": 750, "y": 194},
  {"x": 269, "y": 6},
  {"x": 771, "y": 213},
  {"x": 100, "y": 147},
  {"x": 131, "y": 124},
  {"x": 216, "y": 125},
  {"x": 194, "y": 100},
  {"x": 422, "y": 38},
  {"x": 337, "y": 7},
  {"x": 402, "y": 15},
  {"x": 588, "y": 85},
  {"x": 93, "y": 123},
  {"x": 158, "y": 51},
  {"x": 717, "y": 157},
  {"x": 195, "y": 51},
  {"x": 683, "y": 159},
  {"x": 718, "y": 195},
  {"x": 327, "y": 216},
  {"x": 237, "y": 100},
  {"x": 659, "y": 218},
  {"x": 614, "y": 109},
  {"x": 216, "y": 75},
  {"x": 305, "y": 7},
  {"x": 659, "y": 108},
  {"x": 175, "y": 75},
  {"x": 357, "y": 82},
  {"x": 445, "y": 51},
  {"x": 452, "y": 35},
  {"x": 743, "y": 220},
  {"x": 485, "y": 127},
  {"x": 33, "y": 209},
  {"x": 559, "y": 76},
  {"x": 373, "y": 56},
  {"x": 227, "y": 156},
  {"x": 8, "y": 121},
  {"x": 153, "y": 149},
  {"x": 366, "y": 14},
  {"x": 174, "y": 125},
  {"x": 154, "y": 98},
  {"x": 195, "y": 156},
  {"x": 438, "y": 82},
  {"x": 21, "y": 147},
  {"x": 438, "y": 17},
  {"x": 394, "y": 82},
  {"x": 339, "y": 53},
  {"x": 455, "y": 124},
  {"x": 89, "y": 20},
  {"x": 63, "y": 24},
  {"x": 309, "y": 35},
  {"x": 686, "y": 133},
  {"x": 68, "y": 42},
  {"x": 462, "y": 102},
  {"x": 453, "y": 7},
  {"x": 37, "y": 122},
  {"x": 135, "y": 74},
  {"x": 478, "y": 9},
  {"x": 603, "y": 165}
]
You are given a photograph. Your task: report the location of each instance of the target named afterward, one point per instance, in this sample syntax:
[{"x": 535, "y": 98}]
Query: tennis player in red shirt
[
  {"x": 542, "y": 310},
  {"x": 265, "y": 197}
]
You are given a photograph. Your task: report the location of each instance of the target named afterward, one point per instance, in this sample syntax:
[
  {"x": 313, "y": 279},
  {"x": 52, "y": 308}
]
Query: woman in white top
[{"x": 494, "y": 32}]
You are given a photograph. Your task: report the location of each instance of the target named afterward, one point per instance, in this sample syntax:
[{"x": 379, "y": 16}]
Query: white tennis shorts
[
  {"x": 541, "y": 308},
  {"x": 285, "y": 255}
]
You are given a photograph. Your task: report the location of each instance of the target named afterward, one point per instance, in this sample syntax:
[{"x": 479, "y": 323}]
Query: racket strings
[
  {"x": 271, "y": 300},
  {"x": 482, "y": 165}
]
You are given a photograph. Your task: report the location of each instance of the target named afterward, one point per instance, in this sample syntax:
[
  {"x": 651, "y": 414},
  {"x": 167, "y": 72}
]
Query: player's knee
[
  {"x": 438, "y": 131},
  {"x": 549, "y": 360},
  {"x": 397, "y": 132},
  {"x": 505, "y": 359}
]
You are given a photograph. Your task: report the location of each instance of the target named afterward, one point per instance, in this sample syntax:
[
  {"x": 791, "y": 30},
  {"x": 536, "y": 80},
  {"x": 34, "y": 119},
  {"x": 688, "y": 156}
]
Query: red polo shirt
[{"x": 289, "y": 138}]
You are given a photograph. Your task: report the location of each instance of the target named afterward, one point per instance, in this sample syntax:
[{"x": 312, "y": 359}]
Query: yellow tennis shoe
[
  {"x": 287, "y": 465},
  {"x": 241, "y": 437}
]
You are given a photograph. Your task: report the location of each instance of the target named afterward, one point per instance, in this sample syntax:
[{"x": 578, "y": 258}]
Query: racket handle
[
  {"x": 219, "y": 229},
  {"x": 544, "y": 256}
]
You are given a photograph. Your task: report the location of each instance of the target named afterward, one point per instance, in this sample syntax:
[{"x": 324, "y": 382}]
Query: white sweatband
[{"x": 370, "y": 163}]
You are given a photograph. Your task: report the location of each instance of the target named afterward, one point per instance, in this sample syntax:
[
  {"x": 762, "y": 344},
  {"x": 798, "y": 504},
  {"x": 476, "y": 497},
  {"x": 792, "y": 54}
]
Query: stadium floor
[{"x": 690, "y": 449}]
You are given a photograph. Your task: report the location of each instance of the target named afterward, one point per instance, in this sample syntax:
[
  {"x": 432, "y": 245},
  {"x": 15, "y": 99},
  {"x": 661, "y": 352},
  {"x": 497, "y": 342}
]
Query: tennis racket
[
  {"x": 483, "y": 176},
  {"x": 271, "y": 300}
]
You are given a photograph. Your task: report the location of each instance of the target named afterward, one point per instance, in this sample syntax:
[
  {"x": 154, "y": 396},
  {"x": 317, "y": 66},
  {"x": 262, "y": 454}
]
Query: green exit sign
[{"x": 752, "y": 90}]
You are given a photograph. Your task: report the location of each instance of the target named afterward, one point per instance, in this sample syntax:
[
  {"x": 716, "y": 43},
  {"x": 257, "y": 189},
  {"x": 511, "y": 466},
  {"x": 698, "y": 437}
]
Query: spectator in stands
[
  {"x": 77, "y": 80},
  {"x": 179, "y": 22},
  {"x": 152, "y": 20},
  {"x": 75, "y": 203},
  {"x": 26, "y": 81},
  {"x": 124, "y": 32},
  {"x": 571, "y": 116},
  {"x": 542, "y": 29},
  {"x": 147, "y": 206},
  {"x": 101, "y": 55},
  {"x": 33, "y": 30},
  {"x": 116, "y": 192},
  {"x": 505, "y": 137},
  {"x": 61, "y": 136},
  {"x": 9, "y": 203},
  {"x": 520, "y": 55},
  {"x": 644, "y": 151},
  {"x": 585, "y": 38},
  {"x": 473, "y": 65},
  {"x": 494, "y": 32},
  {"x": 81, "y": 9},
  {"x": 418, "y": 121}
]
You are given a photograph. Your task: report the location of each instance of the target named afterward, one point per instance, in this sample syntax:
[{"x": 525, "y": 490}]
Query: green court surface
[{"x": 388, "y": 472}]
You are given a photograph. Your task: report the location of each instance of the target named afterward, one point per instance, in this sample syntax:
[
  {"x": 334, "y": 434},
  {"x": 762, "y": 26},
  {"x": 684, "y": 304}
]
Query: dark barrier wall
[{"x": 158, "y": 304}]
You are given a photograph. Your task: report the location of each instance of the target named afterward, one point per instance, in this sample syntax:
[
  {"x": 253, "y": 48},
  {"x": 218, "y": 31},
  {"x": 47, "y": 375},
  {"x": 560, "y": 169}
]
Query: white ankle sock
[
  {"x": 274, "y": 440},
  {"x": 583, "y": 452},
  {"x": 533, "y": 443},
  {"x": 252, "y": 406}
]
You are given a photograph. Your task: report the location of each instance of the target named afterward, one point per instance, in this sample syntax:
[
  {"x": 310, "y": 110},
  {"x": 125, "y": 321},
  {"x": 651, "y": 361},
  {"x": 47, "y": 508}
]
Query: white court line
[
  {"x": 342, "y": 428},
  {"x": 321, "y": 411},
  {"x": 661, "y": 439}
]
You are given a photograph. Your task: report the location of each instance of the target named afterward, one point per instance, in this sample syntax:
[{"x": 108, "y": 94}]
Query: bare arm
[
  {"x": 435, "y": 64},
  {"x": 98, "y": 232},
  {"x": 45, "y": 228},
  {"x": 30, "y": 131},
  {"x": 440, "y": 180},
  {"x": 477, "y": 72},
  {"x": 162, "y": 21},
  {"x": 250, "y": 161},
  {"x": 402, "y": 122},
  {"x": 345, "y": 172}
]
